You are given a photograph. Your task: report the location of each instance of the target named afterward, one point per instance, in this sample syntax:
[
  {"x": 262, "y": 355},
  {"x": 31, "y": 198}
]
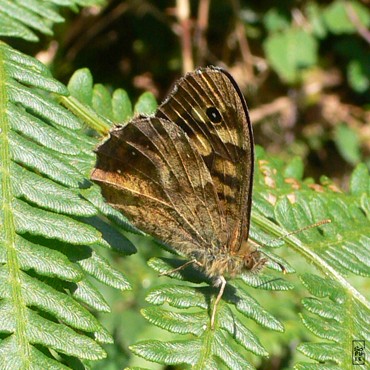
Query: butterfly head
[
  {"x": 222, "y": 262},
  {"x": 253, "y": 261}
]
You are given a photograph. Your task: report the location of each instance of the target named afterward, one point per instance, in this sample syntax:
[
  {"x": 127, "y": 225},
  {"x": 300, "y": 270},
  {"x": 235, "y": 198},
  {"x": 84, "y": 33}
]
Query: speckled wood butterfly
[{"x": 185, "y": 174}]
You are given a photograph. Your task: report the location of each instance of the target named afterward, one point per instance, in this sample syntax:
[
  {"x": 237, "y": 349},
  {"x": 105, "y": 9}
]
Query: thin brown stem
[
  {"x": 183, "y": 16},
  {"x": 361, "y": 29},
  {"x": 245, "y": 52},
  {"x": 201, "y": 30}
]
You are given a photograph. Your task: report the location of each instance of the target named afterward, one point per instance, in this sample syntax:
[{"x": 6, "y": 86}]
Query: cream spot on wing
[
  {"x": 199, "y": 114},
  {"x": 203, "y": 146},
  {"x": 228, "y": 135},
  {"x": 224, "y": 166}
]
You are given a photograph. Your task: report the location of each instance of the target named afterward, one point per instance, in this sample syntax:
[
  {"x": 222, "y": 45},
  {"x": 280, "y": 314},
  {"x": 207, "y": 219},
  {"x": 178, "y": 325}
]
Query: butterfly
[{"x": 185, "y": 174}]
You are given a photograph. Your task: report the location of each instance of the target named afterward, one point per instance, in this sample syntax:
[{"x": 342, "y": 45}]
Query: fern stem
[
  {"x": 310, "y": 255},
  {"x": 87, "y": 114},
  {"x": 206, "y": 349},
  {"x": 8, "y": 229}
]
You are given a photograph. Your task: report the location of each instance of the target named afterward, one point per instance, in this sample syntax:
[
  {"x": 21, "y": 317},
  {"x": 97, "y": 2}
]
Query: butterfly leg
[
  {"x": 181, "y": 267},
  {"x": 220, "y": 293}
]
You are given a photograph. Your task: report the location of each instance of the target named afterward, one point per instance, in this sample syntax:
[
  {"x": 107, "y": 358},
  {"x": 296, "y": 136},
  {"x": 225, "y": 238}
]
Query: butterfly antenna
[
  {"x": 322, "y": 222},
  {"x": 319, "y": 223}
]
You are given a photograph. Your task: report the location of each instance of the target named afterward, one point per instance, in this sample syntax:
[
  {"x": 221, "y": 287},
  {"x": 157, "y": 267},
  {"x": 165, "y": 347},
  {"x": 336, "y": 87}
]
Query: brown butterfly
[{"x": 185, "y": 174}]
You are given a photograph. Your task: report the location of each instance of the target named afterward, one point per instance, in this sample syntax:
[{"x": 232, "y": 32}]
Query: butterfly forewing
[
  {"x": 208, "y": 105},
  {"x": 151, "y": 172}
]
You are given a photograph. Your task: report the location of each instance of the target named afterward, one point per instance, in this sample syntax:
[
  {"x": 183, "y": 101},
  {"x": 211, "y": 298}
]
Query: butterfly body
[
  {"x": 219, "y": 261},
  {"x": 185, "y": 174}
]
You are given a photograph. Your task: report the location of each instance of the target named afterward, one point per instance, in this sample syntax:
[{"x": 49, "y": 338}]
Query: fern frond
[
  {"x": 20, "y": 18},
  {"x": 338, "y": 317},
  {"x": 208, "y": 348},
  {"x": 339, "y": 312},
  {"x": 98, "y": 108},
  {"x": 48, "y": 226}
]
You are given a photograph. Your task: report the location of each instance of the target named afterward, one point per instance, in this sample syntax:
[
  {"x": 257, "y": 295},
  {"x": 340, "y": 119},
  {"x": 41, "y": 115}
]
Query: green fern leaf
[
  {"x": 121, "y": 106},
  {"x": 211, "y": 344},
  {"x": 49, "y": 226},
  {"x": 95, "y": 100},
  {"x": 338, "y": 316},
  {"x": 339, "y": 312},
  {"x": 146, "y": 104},
  {"x": 117, "y": 109},
  {"x": 19, "y": 18}
]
